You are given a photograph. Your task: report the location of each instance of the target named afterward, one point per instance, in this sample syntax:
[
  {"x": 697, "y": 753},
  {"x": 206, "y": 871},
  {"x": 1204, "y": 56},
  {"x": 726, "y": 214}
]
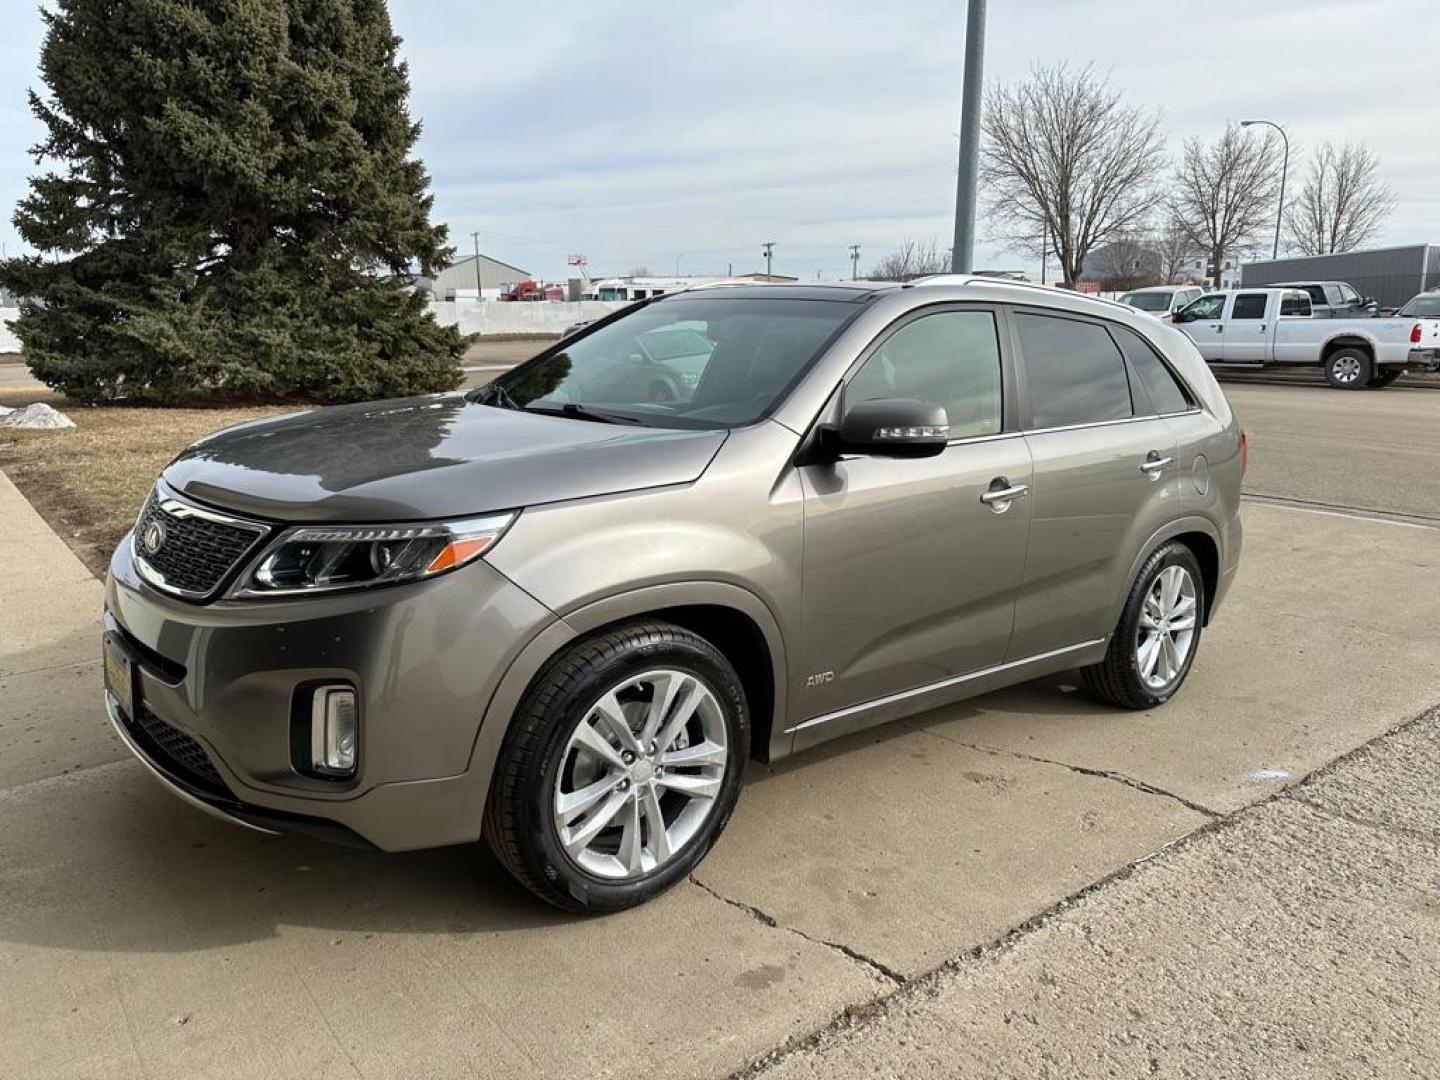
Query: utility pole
[
  {"x": 479, "y": 289},
  {"x": 962, "y": 255},
  {"x": 854, "y": 262},
  {"x": 769, "y": 247}
]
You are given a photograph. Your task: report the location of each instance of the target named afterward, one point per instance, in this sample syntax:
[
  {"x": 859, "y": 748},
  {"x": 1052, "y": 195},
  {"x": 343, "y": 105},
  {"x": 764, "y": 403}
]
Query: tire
[
  {"x": 546, "y": 757},
  {"x": 1383, "y": 379},
  {"x": 660, "y": 392},
  {"x": 1348, "y": 369},
  {"x": 1118, "y": 678}
]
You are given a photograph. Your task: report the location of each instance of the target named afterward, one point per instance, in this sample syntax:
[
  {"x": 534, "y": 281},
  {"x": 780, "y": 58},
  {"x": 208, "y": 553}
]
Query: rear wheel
[
  {"x": 1158, "y": 635},
  {"x": 620, "y": 768},
  {"x": 1348, "y": 369},
  {"x": 1385, "y": 378}
]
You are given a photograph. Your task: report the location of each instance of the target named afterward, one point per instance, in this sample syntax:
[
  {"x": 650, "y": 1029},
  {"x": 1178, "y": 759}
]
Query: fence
[{"x": 493, "y": 318}]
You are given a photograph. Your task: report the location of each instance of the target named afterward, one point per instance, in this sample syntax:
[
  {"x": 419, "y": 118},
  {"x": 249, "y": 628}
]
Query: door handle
[
  {"x": 1154, "y": 465},
  {"x": 1002, "y": 493}
]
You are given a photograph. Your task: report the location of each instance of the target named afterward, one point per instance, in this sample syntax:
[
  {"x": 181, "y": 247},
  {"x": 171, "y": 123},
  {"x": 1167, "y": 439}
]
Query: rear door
[
  {"x": 1249, "y": 328},
  {"x": 1105, "y": 478}
]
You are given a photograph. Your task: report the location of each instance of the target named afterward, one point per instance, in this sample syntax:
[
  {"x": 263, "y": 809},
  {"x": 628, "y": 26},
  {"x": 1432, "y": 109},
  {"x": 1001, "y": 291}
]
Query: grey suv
[{"x": 562, "y": 611}]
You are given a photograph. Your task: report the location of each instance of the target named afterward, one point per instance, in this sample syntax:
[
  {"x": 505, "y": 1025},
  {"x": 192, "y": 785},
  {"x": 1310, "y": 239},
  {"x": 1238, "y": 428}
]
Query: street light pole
[
  {"x": 677, "y": 263},
  {"x": 769, "y": 246},
  {"x": 479, "y": 288},
  {"x": 962, "y": 254},
  {"x": 1284, "y": 169},
  {"x": 854, "y": 262}
]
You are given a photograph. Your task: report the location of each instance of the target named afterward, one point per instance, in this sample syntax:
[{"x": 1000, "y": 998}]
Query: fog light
[{"x": 332, "y": 731}]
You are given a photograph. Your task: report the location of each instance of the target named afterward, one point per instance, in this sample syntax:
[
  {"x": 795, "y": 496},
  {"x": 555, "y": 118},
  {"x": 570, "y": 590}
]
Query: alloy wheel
[
  {"x": 1167, "y": 627},
  {"x": 1347, "y": 369},
  {"x": 640, "y": 774}
]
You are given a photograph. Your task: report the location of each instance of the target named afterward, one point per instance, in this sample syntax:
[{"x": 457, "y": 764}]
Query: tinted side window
[
  {"x": 1075, "y": 373},
  {"x": 1249, "y": 306},
  {"x": 1317, "y": 294},
  {"x": 951, "y": 358},
  {"x": 1295, "y": 304},
  {"x": 1332, "y": 296},
  {"x": 1160, "y": 386},
  {"x": 1349, "y": 295}
]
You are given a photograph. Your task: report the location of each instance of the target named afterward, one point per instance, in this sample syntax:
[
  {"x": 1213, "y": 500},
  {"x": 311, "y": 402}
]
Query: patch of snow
[{"x": 38, "y": 415}]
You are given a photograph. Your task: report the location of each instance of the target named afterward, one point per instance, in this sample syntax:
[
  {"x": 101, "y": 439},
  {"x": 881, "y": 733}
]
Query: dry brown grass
[{"x": 89, "y": 481}]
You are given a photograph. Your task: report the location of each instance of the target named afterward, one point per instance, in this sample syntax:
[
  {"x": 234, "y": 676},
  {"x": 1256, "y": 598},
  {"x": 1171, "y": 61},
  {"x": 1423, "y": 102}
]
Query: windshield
[
  {"x": 1148, "y": 301},
  {"x": 1424, "y": 306},
  {"x": 693, "y": 362}
]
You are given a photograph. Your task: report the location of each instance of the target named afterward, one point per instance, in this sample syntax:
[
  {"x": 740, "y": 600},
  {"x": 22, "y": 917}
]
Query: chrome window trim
[
  {"x": 173, "y": 504},
  {"x": 1110, "y": 423},
  {"x": 941, "y": 684}
]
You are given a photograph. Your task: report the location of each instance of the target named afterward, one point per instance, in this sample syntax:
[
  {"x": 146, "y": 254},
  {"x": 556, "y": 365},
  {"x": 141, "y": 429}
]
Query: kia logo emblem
[{"x": 152, "y": 539}]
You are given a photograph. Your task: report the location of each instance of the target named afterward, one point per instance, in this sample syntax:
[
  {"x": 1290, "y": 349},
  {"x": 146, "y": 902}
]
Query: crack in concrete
[
  {"x": 875, "y": 967},
  {"x": 1103, "y": 774},
  {"x": 1363, "y": 822}
]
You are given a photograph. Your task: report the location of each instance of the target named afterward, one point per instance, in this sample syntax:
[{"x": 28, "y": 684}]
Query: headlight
[{"x": 324, "y": 558}]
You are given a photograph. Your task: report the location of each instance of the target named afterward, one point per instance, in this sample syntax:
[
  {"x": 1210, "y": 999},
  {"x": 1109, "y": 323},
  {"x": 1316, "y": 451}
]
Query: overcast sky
[{"x": 634, "y": 133}]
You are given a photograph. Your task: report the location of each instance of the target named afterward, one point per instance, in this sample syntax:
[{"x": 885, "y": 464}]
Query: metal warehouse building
[{"x": 1390, "y": 275}]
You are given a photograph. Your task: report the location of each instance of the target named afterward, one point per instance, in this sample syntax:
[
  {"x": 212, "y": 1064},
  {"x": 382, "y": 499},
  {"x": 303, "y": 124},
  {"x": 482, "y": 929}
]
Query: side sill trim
[{"x": 954, "y": 680}]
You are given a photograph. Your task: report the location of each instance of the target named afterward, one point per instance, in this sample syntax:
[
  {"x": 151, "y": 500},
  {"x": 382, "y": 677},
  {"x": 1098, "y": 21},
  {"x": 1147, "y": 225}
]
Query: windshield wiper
[
  {"x": 492, "y": 394},
  {"x": 580, "y": 412}
]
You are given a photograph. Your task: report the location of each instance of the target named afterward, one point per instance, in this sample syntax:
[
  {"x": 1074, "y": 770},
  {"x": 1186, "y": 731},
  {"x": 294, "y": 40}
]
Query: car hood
[{"x": 431, "y": 457}]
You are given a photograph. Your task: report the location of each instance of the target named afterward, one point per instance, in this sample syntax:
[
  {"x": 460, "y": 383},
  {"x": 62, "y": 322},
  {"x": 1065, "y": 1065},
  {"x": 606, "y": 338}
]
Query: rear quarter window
[{"x": 1157, "y": 383}]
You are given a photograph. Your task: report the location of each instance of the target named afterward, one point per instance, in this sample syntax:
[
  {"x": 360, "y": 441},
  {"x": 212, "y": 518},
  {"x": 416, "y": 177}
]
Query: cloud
[{"x": 634, "y": 133}]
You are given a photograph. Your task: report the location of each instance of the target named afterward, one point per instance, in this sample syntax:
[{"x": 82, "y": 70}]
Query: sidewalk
[
  {"x": 51, "y": 719},
  {"x": 1298, "y": 938}
]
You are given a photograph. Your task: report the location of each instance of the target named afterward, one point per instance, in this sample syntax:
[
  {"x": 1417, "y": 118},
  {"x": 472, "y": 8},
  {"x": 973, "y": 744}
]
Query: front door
[
  {"x": 1248, "y": 330},
  {"x": 1105, "y": 479},
  {"x": 1203, "y": 324},
  {"x": 911, "y": 565}
]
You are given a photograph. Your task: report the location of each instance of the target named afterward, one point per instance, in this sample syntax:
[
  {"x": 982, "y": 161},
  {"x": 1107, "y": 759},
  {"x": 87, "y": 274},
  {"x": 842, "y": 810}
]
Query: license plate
[{"x": 119, "y": 674}]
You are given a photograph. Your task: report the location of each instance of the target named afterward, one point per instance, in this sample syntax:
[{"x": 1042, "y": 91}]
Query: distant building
[
  {"x": 459, "y": 280},
  {"x": 1389, "y": 275},
  {"x": 772, "y": 279}
]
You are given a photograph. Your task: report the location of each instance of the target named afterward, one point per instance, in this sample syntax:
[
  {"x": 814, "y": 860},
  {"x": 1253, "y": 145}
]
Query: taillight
[
  {"x": 1416, "y": 332},
  {"x": 1244, "y": 454}
]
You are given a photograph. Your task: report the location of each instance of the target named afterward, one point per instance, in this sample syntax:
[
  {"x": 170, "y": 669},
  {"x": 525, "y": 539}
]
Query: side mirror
[
  {"x": 893, "y": 427},
  {"x": 1180, "y": 316}
]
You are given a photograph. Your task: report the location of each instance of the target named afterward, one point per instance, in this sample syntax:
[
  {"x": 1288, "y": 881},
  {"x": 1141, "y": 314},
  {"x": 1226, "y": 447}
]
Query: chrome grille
[{"x": 189, "y": 550}]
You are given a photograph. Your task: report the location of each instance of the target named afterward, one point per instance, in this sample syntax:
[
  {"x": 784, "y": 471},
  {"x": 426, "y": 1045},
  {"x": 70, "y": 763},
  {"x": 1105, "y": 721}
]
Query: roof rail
[{"x": 986, "y": 279}]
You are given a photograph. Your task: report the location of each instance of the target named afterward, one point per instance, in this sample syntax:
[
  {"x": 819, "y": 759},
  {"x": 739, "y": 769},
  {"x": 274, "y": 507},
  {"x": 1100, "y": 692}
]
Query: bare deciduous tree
[
  {"x": 1224, "y": 193},
  {"x": 640, "y": 270},
  {"x": 912, "y": 259},
  {"x": 1173, "y": 253},
  {"x": 1342, "y": 204},
  {"x": 1063, "y": 152}
]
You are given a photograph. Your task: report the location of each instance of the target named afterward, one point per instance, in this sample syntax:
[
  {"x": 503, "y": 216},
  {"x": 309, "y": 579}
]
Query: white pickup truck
[{"x": 1260, "y": 327}]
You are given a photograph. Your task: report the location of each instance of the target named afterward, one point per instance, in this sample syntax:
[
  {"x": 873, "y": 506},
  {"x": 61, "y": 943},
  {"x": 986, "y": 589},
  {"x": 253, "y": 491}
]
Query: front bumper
[{"x": 219, "y": 688}]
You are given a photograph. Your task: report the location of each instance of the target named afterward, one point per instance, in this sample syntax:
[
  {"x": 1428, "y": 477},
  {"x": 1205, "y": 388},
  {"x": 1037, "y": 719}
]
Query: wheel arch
[
  {"x": 734, "y": 620},
  {"x": 1347, "y": 340},
  {"x": 1201, "y": 536}
]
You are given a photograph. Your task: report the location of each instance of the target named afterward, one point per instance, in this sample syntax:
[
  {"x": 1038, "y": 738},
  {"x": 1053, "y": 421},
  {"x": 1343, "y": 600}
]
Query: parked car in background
[
  {"x": 1260, "y": 327},
  {"x": 1425, "y": 305},
  {"x": 1162, "y": 301},
  {"x": 561, "y": 614},
  {"x": 1333, "y": 299}
]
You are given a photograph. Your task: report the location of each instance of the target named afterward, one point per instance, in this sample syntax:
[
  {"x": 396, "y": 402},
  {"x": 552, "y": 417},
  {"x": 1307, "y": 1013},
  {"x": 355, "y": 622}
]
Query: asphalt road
[{"x": 141, "y": 939}]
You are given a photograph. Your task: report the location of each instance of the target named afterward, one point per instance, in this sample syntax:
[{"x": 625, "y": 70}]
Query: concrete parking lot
[{"x": 959, "y": 867}]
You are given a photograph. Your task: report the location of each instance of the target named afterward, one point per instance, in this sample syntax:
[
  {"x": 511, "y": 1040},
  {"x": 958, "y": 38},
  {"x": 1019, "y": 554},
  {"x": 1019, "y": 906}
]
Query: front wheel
[
  {"x": 620, "y": 768},
  {"x": 1348, "y": 369},
  {"x": 1158, "y": 635}
]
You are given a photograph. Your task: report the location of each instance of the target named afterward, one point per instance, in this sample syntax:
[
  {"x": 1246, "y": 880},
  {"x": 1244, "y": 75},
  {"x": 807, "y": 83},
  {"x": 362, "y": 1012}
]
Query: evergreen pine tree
[{"x": 231, "y": 206}]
